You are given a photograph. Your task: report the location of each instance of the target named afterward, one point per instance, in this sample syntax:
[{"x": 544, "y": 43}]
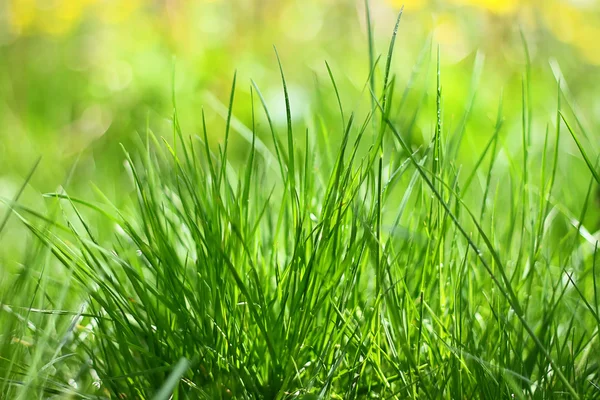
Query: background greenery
[
  {"x": 80, "y": 77},
  {"x": 84, "y": 75}
]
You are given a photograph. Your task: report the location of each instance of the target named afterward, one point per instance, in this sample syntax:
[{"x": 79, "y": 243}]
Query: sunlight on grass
[{"x": 408, "y": 219}]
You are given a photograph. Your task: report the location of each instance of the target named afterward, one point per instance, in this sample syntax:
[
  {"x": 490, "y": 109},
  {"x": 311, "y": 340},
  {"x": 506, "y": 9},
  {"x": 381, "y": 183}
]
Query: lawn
[{"x": 377, "y": 211}]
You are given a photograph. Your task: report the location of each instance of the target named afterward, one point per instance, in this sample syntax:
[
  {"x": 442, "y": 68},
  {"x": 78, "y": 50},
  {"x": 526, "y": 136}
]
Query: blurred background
[{"x": 79, "y": 77}]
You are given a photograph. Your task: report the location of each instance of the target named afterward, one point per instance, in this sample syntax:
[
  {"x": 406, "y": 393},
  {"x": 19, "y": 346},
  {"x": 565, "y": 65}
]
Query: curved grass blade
[{"x": 587, "y": 160}]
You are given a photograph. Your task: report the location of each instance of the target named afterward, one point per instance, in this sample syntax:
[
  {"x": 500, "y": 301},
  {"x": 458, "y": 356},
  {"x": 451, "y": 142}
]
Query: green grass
[{"x": 337, "y": 260}]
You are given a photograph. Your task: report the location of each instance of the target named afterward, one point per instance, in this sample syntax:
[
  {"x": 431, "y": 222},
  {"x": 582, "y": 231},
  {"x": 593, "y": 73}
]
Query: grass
[{"x": 339, "y": 261}]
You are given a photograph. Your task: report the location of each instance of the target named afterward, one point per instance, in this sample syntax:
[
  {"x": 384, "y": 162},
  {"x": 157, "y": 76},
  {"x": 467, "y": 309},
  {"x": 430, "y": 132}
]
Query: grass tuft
[{"x": 306, "y": 270}]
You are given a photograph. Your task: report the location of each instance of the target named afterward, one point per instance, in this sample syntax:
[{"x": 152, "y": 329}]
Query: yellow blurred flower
[
  {"x": 563, "y": 20},
  {"x": 494, "y": 6},
  {"x": 574, "y": 25},
  {"x": 59, "y": 17},
  {"x": 587, "y": 40},
  {"x": 21, "y": 15},
  {"x": 117, "y": 11}
]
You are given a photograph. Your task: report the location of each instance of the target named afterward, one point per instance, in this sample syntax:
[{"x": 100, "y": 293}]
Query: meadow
[{"x": 299, "y": 200}]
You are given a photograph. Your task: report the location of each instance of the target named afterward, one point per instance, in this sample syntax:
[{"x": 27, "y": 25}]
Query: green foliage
[{"x": 374, "y": 267}]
